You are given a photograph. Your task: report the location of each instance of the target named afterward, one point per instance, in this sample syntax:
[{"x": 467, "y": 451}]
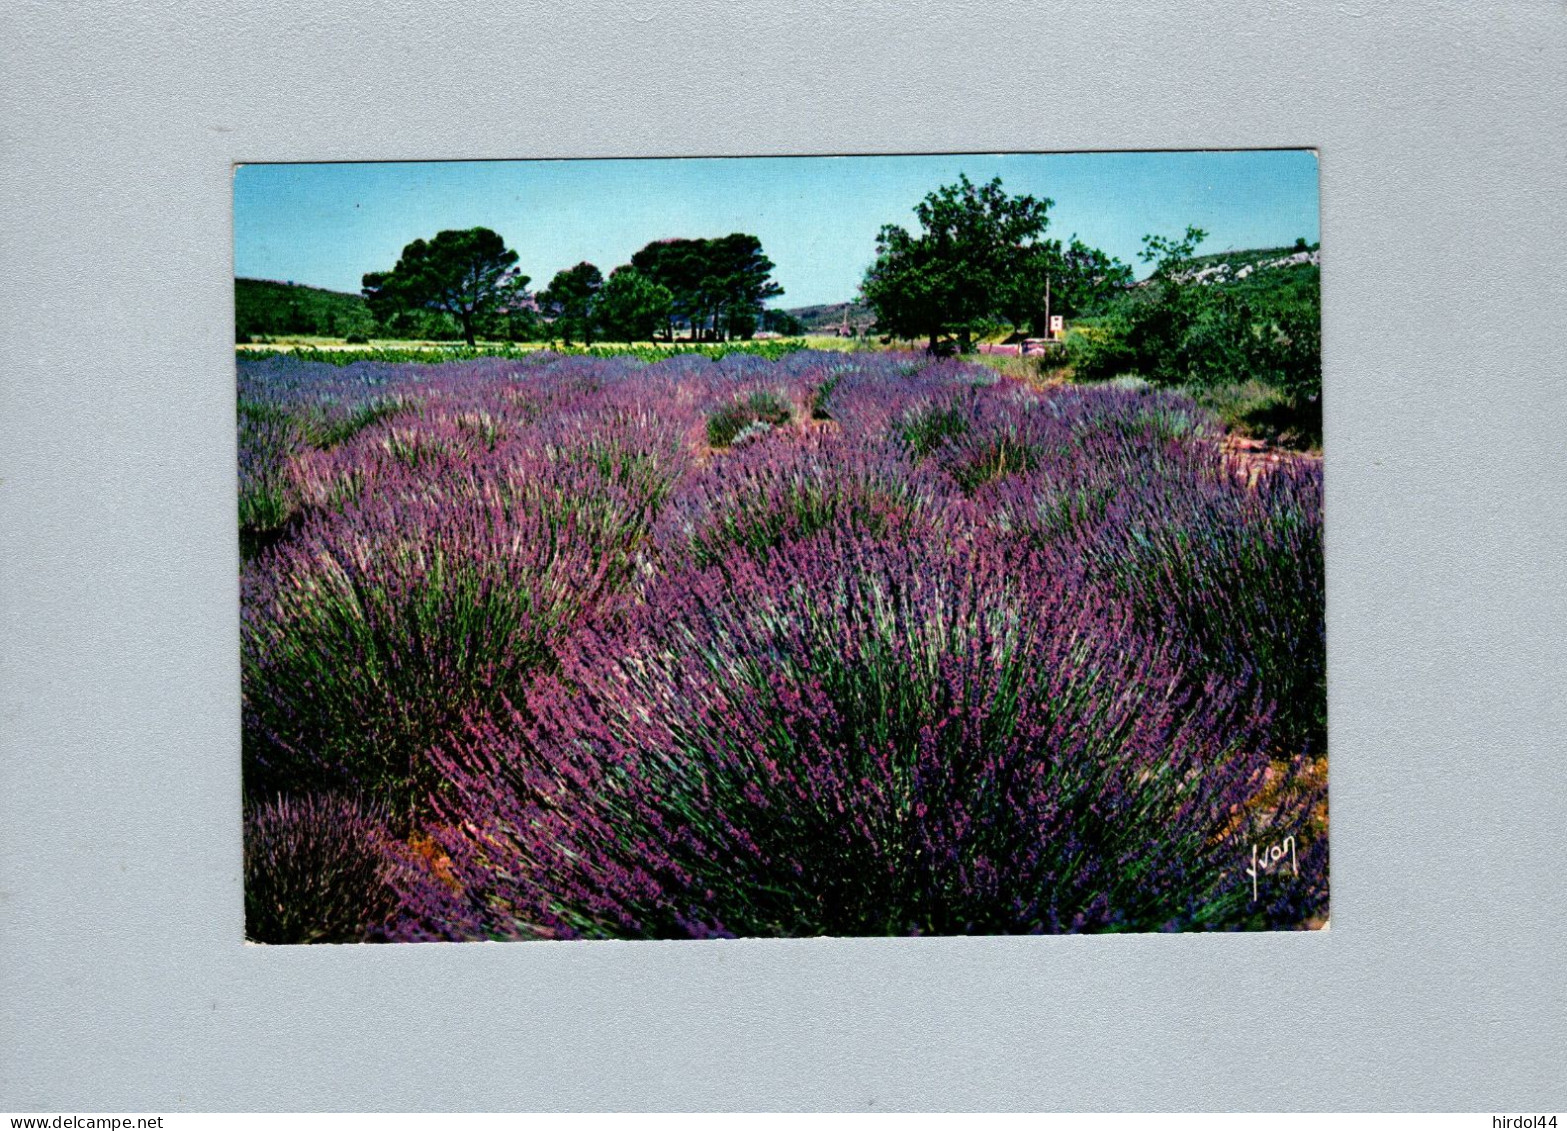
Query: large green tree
[
  {"x": 632, "y": 307},
  {"x": 679, "y": 266},
  {"x": 718, "y": 286},
  {"x": 470, "y": 274},
  {"x": 570, "y": 300},
  {"x": 955, "y": 275},
  {"x": 740, "y": 284}
]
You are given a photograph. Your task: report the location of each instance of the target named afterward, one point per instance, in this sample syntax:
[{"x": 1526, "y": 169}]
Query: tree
[
  {"x": 738, "y": 284},
  {"x": 957, "y": 273},
  {"x": 469, "y": 274},
  {"x": 569, "y": 299},
  {"x": 782, "y": 322},
  {"x": 1066, "y": 280},
  {"x": 1172, "y": 257},
  {"x": 631, "y": 306},
  {"x": 679, "y": 266},
  {"x": 1162, "y": 328},
  {"x": 717, "y": 286}
]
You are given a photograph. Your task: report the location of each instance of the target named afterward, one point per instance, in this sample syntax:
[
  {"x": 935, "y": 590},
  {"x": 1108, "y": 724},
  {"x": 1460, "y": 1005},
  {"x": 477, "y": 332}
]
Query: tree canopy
[
  {"x": 1052, "y": 278},
  {"x": 570, "y": 300},
  {"x": 962, "y": 268},
  {"x": 631, "y": 307},
  {"x": 717, "y": 286},
  {"x": 470, "y": 274}
]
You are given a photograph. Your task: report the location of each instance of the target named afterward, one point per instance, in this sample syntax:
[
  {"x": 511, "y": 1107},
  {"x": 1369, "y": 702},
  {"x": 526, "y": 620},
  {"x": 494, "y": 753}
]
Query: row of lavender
[{"x": 842, "y": 644}]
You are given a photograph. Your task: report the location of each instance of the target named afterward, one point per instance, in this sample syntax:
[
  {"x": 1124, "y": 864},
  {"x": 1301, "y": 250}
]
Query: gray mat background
[{"x": 124, "y": 983}]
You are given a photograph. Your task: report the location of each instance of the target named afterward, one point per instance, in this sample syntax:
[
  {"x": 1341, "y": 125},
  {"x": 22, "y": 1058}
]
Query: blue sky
[{"x": 817, "y": 217}]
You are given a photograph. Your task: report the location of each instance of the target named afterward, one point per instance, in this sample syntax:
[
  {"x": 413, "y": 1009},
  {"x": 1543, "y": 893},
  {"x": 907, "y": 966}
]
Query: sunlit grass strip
[{"x": 438, "y": 353}]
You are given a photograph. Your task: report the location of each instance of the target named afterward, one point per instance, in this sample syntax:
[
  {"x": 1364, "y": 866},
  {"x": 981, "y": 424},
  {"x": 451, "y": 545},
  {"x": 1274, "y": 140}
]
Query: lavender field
[{"x": 843, "y": 644}]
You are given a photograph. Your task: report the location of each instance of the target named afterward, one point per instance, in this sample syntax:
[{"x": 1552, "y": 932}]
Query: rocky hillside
[{"x": 1233, "y": 266}]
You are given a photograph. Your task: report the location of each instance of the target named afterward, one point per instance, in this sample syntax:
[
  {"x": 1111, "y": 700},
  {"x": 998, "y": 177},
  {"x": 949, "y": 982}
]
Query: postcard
[{"x": 781, "y": 547}]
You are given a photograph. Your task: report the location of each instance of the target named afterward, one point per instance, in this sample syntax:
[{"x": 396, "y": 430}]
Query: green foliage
[
  {"x": 1101, "y": 351},
  {"x": 1070, "y": 280},
  {"x": 760, "y": 407},
  {"x": 263, "y": 308},
  {"x": 632, "y": 307},
  {"x": 1170, "y": 255},
  {"x": 717, "y": 286},
  {"x": 520, "y": 324},
  {"x": 980, "y": 263},
  {"x": 470, "y": 275},
  {"x": 1215, "y": 334},
  {"x": 422, "y": 326},
  {"x": 955, "y": 275},
  {"x": 569, "y": 301},
  {"x": 770, "y": 349}
]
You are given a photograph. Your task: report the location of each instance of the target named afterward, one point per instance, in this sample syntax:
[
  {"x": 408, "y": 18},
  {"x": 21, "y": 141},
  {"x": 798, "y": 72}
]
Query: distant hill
[
  {"x": 263, "y": 307},
  {"x": 829, "y": 316}
]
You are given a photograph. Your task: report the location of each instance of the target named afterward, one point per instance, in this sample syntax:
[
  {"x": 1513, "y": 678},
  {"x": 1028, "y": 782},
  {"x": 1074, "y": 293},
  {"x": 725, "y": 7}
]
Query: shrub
[
  {"x": 373, "y": 629},
  {"x": 317, "y": 869},
  {"x": 927, "y": 427},
  {"x": 865, "y": 737},
  {"x": 267, "y": 498},
  {"x": 1143, "y": 502},
  {"x": 729, "y": 421},
  {"x": 762, "y": 497},
  {"x": 978, "y": 439},
  {"x": 1235, "y": 577},
  {"x": 1100, "y": 352}
]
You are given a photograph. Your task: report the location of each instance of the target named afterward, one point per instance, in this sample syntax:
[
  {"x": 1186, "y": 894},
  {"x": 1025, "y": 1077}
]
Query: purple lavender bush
[
  {"x": 267, "y": 497},
  {"x": 1142, "y": 503},
  {"x": 374, "y": 629},
  {"x": 1234, "y": 576},
  {"x": 769, "y": 493},
  {"x": 317, "y": 869},
  {"x": 861, "y": 736}
]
